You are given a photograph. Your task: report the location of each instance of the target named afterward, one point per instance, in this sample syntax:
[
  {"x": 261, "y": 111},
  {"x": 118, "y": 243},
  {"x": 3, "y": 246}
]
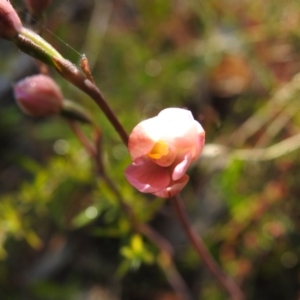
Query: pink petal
[
  {"x": 146, "y": 176},
  {"x": 178, "y": 127},
  {"x": 174, "y": 188},
  {"x": 200, "y": 140},
  {"x": 143, "y": 137},
  {"x": 182, "y": 166},
  {"x": 175, "y": 126},
  {"x": 177, "y": 113}
]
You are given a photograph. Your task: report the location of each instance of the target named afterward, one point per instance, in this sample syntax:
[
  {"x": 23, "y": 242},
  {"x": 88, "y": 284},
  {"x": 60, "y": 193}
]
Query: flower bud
[
  {"x": 37, "y": 7},
  {"x": 10, "y": 23},
  {"x": 38, "y": 96}
]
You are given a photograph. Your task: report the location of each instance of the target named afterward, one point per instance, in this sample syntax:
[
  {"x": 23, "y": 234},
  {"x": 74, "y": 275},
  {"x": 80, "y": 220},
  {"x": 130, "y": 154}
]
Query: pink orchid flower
[{"x": 162, "y": 148}]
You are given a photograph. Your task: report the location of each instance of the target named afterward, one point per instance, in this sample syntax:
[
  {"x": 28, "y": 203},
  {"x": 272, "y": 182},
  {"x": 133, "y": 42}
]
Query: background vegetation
[{"x": 234, "y": 64}]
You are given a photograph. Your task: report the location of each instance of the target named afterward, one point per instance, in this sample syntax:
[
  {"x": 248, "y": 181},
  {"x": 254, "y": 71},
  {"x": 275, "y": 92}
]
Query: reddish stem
[
  {"x": 224, "y": 280},
  {"x": 73, "y": 75},
  {"x": 172, "y": 275},
  {"x": 89, "y": 147}
]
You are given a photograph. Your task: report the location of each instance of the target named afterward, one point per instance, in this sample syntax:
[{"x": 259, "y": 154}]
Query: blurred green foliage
[{"x": 63, "y": 233}]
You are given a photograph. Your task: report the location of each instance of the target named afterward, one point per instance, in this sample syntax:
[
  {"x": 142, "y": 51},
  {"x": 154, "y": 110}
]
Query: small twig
[
  {"x": 71, "y": 73},
  {"x": 275, "y": 151},
  {"x": 89, "y": 147},
  {"x": 32, "y": 44},
  {"x": 172, "y": 275},
  {"x": 157, "y": 239},
  {"x": 225, "y": 281},
  {"x": 279, "y": 122},
  {"x": 282, "y": 148},
  {"x": 263, "y": 154},
  {"x": 279, "y": 101}
]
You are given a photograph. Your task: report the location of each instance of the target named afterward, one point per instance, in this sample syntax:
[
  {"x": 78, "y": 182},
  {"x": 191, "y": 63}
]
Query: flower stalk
[
  {"x": 223, "y": 279},
  {"x": 166, "y": 249},
  {"x": 35, "y": 46},
  {"x": 74, "y": 111},
  {"x": 71, "y": 73}
]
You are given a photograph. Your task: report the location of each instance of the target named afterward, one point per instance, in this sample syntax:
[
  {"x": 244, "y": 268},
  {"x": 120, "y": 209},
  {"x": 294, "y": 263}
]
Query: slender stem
[
  {"x": 157, "y": 239},
  {"x": 224, "y": 280},
  {"x": 166, "y": 249},
  {"x": 174, "y": 276},
  {"x": 89, "y": 147},
  {"x": 34, "y": 45},
  {"x": 167, "y": 263},
  {"x": 74, "y": 76},
  {"x": 89, "y": 88},
  {"x": 169, "y": 268}
]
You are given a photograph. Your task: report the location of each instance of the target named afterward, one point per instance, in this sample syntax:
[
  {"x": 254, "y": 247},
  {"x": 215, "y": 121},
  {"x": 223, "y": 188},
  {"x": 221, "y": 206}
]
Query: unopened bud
[
  {"x": 10, "y": 23},
  {"x": 38, "y": 96},
  {"x": 37, "y": 7}
]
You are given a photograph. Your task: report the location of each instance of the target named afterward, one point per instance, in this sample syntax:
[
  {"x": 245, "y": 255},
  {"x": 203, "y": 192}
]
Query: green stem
[{"x": 34, "y": 45}]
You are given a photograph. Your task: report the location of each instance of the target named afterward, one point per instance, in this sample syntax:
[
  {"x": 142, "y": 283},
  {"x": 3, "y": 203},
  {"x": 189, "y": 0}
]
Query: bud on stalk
[{"x": 38, "y": 96}]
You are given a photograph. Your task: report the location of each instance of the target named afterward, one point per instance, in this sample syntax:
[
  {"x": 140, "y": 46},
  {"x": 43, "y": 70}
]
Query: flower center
[{"x": 159, "y": 150}]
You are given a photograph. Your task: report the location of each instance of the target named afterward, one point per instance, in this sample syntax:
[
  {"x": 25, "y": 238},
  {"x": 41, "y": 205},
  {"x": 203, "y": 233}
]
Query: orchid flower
[{"x": 162, "y": 148}]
